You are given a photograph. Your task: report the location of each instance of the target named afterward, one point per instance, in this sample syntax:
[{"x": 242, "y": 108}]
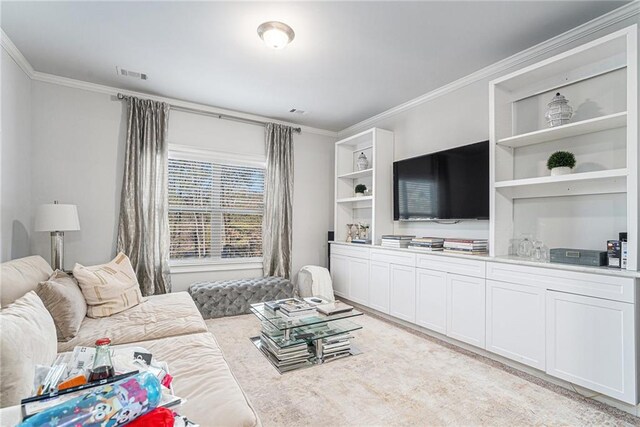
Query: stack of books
[
  {"x": 466, "y": 246},
  {"x": 336, "y": 347},
  {"x": 285, "y": 358},
  {"x": 396, "y": 240},
  {"x": 361, "y": 241},
  {"x": 429, "y": 244},
  {"x": 336, "y": 307},
  {"x": 294, "y": 307}
]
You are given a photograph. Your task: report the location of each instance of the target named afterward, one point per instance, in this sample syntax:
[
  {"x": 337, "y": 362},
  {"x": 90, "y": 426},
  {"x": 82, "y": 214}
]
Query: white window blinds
[{"x": 215, "y": 210}]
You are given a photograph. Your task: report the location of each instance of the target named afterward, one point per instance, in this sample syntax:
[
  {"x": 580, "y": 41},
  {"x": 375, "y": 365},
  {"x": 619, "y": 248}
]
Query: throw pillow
[
  {"x": 28, "y": 339},
  {"x": 64, "y": 300},
  {"x": 109, "y": 288}
]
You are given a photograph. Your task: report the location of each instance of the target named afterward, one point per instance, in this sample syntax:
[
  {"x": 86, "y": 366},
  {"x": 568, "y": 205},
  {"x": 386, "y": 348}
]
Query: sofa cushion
[
  {"x": 109, "y": 288},
  {"x": 160, "y": 316},
  {"x": 19, "y": 276},
  {"x": 63, "y": 298},
  {"x": 27, "y": 339},
  {"x": 202, "y": 376}
]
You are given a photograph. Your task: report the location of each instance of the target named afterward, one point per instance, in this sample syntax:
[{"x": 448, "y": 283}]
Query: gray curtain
[
  {"x": 143, "y": 230},
  {"x": 278, "y": 201}
]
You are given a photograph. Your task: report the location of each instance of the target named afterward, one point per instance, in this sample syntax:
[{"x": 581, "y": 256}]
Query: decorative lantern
[
  {"x": 363, "y": 162},
  {"x": 559, "y": 111}
]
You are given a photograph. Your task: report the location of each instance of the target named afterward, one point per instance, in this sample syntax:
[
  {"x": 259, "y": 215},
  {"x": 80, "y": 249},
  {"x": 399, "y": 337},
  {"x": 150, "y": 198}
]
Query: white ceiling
[{"x": 349, "y": 60}]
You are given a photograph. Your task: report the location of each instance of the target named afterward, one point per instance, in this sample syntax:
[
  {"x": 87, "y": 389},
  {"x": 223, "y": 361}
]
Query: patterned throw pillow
[
  {"x": 64, "y": 300},
  {"x": 109, "y": 288}
]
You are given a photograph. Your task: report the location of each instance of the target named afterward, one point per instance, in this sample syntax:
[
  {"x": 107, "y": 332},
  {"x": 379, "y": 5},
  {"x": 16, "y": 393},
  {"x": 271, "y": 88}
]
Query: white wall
[
  {"x": 461, "y": 117},
  {"x": 15, "y": 152},
  {"x": 78, "y": 156}
]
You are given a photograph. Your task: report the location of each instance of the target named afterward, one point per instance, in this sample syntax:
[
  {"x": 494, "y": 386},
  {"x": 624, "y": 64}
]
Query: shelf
[
  {"x": 368, "y": 147},
  {"x": 599, "y": 182},
  {"x": 597, "y": 124},
  {"x": 354, "y": 199},
  {"x": 357, "y": 174}
]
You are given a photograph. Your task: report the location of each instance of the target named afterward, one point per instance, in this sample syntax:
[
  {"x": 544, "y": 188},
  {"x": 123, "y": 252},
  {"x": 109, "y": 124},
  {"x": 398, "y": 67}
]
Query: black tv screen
[{"x": 451, "y": 184}]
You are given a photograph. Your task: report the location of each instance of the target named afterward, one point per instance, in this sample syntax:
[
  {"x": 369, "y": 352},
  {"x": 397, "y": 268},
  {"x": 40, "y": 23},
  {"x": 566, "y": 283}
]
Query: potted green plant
[
  {"x": 561, "y": 163},
  {"x": 360, "y": 189}
]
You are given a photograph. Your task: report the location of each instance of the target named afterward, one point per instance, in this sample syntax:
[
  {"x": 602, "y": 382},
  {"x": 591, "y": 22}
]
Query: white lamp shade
[{"x": 57, "y": 217}]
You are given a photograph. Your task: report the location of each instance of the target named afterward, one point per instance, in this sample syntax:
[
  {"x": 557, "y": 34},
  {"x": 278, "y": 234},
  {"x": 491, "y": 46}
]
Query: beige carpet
[{"x": 401, "y": 378}]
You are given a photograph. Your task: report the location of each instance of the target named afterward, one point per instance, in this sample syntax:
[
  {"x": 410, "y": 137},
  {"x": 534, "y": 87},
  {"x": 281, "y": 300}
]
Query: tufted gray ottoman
[{"x": 233, "y": 297}]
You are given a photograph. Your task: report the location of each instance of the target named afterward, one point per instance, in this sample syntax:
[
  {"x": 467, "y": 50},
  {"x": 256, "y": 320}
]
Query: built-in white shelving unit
[
  {"x": 355, "y": 199},
  {"x": 357, "y": 174},
  {"x": 596, "y": 124},
  {"x": 373, "y": 209},
  {"x": 599, "y": 79}
]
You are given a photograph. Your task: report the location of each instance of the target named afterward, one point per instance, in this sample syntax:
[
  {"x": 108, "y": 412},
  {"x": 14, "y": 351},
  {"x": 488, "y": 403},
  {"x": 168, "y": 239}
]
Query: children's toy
[{"x": 106, "y": 406}]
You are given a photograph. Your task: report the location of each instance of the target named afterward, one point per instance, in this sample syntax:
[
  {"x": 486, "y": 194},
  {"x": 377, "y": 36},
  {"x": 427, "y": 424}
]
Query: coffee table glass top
[
  {"x": 282, "y": 322},
  {"x": 308, "y": 333}
]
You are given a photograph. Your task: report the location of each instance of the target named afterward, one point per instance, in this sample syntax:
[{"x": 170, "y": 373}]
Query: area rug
[{"x": 401, "y": 378}]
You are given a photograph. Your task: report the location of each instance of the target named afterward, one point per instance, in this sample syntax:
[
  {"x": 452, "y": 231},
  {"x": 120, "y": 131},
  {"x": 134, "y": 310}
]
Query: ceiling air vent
[
  {"x": 297, "y": 111},
  {"x": 133, "y": 74}
]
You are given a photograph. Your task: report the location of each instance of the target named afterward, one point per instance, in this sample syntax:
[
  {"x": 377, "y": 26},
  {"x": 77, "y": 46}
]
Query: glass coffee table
[{"x": 291, "y": 343}]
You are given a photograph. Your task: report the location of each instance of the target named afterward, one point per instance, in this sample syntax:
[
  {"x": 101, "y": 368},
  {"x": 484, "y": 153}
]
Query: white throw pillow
[
  {"x": 108, "y": 288},
  {"x": 27, "y": 339}
]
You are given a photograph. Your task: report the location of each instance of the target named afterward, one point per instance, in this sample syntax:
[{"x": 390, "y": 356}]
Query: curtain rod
[{"x": 211, "y": 114}]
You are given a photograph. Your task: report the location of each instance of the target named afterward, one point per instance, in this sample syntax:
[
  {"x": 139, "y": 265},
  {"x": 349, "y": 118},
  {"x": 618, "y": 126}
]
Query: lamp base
[{"x": 57, "y": 250}]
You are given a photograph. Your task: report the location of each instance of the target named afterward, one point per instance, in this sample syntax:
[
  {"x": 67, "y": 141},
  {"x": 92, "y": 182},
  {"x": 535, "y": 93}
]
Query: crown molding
[
  {"x": 15, "y": 54},
  {"x": 22, "y": 62},
  {"x": 617, "y": 15}
]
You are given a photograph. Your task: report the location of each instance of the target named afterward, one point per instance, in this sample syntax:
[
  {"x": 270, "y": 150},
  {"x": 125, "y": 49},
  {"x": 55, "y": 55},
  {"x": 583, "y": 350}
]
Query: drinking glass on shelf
[
  {"x": 513, "y": 246},
  {"x": 540, "y": 251},
  {"x": 545, "y": 253},
  {"x": 525, "y": 248},
  {"x": 536, "y": 253},
  {"x": 356, "y": 231}
]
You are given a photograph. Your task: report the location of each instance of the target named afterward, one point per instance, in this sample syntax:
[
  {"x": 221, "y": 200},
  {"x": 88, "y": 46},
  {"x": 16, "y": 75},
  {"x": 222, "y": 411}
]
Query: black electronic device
[{"x": 446, "y": 185}]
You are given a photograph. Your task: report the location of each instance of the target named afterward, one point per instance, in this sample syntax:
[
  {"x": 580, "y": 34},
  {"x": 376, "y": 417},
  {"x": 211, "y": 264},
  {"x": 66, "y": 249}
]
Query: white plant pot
[
  {"x": 562, "y": 170},
  {"x": 359, "y": 194}
]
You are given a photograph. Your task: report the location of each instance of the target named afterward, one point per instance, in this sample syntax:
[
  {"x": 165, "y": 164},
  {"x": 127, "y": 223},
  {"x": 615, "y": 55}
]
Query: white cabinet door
[
  {"x": 379, "y": 279},
  {"x": 590, "y": 342},
  {"x": 403, "y": 292},
  {"x": 340, "y": 275},
  {"x": 515, "y": 322},
  {"x": 431, "y": 299},
  {"x": 465, "y": 309},
  {"x": 359, "y": 281}
]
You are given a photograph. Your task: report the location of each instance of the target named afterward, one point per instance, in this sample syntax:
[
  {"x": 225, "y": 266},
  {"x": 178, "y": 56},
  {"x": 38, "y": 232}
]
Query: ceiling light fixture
[{"x": 276, "y": 35}]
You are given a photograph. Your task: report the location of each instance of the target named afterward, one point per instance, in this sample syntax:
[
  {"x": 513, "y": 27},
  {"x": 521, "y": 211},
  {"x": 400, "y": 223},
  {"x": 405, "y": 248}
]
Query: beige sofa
[{"x": 172, "y": 329}]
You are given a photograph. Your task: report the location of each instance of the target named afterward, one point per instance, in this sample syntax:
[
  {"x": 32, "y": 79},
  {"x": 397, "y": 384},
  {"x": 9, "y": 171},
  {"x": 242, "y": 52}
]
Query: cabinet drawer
[
  {"x": 594, "y": 285},
  {"x": 350, "y": 251},
  {"x": 394, "y": 257},
  {"x": 466, "y": 267}
]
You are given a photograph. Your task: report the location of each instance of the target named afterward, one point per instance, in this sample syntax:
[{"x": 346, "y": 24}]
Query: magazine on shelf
[
  {"x": 465, "y": 241},
  {"x": 397, "y": 237},
  {"x": 464, "y": 252},
  {"x": 439, "y": 240},
  {"x": 426, "y": 249}
]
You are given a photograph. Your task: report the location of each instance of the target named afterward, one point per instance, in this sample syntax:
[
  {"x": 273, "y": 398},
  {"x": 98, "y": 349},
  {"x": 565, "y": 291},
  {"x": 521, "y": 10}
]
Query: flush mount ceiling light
[{"x": 276, "y": 34}]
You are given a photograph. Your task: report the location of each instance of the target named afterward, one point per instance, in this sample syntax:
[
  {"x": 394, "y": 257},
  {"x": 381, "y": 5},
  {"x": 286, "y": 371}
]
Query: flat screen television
[{"x": 447, "y": 185}]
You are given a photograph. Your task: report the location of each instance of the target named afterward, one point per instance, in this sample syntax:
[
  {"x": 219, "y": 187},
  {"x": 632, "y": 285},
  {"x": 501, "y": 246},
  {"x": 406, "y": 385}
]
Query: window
[{"x": 215, "y": 209}]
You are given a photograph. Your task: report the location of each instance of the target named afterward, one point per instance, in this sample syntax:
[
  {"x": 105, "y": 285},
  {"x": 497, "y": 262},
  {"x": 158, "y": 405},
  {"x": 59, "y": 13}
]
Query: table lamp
[{"x": 57, "y": 218}]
